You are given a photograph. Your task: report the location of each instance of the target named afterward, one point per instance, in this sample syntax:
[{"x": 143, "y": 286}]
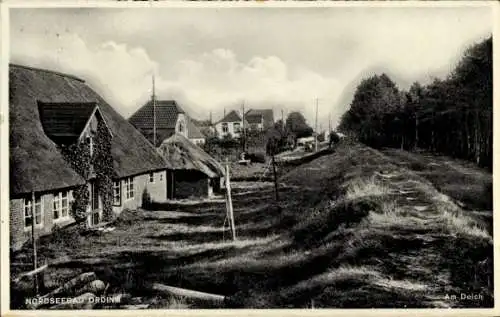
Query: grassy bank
[{"x": 351, "y": 229}]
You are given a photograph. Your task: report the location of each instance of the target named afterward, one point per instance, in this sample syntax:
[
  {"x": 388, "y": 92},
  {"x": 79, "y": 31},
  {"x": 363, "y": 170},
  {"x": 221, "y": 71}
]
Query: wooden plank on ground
[
  {"x": 176, "y": 291},
  {"x": 31, "y": 273}
]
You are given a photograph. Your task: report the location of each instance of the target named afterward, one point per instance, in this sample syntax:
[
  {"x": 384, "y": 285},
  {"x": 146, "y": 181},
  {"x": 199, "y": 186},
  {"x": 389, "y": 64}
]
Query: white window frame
[
  {"x": 161, "y": 176},
  {"x": 117, "y": 186},
  {"x": 225, "y": 127},
  {"x": 63, "y": 212},
  {"x": 129, "y": 188},
  {"x": 28, "y": 204},
  {"x": 152, "y": 178}
]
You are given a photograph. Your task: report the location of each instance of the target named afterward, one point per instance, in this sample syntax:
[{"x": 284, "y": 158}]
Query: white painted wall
[{"x": 231, "y": 130}]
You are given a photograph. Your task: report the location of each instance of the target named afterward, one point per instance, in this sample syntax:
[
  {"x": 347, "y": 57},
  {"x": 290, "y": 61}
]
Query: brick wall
[{"x": 19, "y": 234}]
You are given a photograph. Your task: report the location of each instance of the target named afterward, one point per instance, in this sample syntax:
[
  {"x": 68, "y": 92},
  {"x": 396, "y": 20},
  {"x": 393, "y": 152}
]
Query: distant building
[
  {"x": 231, "y": 125},
  {"x": 194, "y": 133},
  {"x": 260, "y": 119},
  {"x": 170, "y": 119},
  {"x": 191, "y": 171}
]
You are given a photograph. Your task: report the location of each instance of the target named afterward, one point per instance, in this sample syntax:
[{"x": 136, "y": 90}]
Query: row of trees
[
  {"x": 283, "y": 136},
  {"x": 453, "y": 116}
]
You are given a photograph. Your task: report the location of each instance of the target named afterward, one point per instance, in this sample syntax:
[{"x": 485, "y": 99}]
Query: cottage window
[
  {"x": 90, "y": 143},
  {"x": 161, "y": 176},
  {"x": 237, "y": 127},
  {"x": 60, "y": 206},
  {"x": 28, "y": 211},
  {"x": 117, "y": 197},
  {"x": 129, "y": 188},
  {"x": 225, "y": 128},
  {"x": 151, "y": 177}
]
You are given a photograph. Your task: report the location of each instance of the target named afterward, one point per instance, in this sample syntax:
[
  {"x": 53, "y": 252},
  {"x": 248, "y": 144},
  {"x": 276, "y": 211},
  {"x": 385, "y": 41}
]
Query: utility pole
[
  {"x": 316, "y": 128},
  {"x": 244, "y": 129},
  {"x": 154, "y": 112}
]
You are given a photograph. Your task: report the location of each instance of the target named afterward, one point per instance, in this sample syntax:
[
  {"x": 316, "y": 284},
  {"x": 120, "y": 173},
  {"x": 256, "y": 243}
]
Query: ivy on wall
[
  {"x": 103, "y": 167},
  {"x": 101, "y": 162},
  {"x": 78, "y": 155}
]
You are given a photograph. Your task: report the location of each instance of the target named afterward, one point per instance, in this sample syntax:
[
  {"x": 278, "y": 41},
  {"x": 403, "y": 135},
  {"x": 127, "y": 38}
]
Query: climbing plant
[
  {"x": 101, "y": 162},
  {"x": 103, "y": 167},
  {"x": 78, "y": 155}
]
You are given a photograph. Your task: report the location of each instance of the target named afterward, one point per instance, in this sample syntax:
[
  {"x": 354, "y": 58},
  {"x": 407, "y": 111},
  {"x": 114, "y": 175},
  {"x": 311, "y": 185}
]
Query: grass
[
  {"x": 366, "y": 187},
  {"x": 344, "y": 234}
]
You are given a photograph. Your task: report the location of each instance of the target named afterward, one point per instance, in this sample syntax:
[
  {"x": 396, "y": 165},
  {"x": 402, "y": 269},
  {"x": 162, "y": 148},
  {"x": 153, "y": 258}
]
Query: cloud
[
  {"x": 209, "y": 82},
  {"x": 217, "y": 79},
  {"x": 121, "y": 74},
  {"x": 212, "y": 64}
]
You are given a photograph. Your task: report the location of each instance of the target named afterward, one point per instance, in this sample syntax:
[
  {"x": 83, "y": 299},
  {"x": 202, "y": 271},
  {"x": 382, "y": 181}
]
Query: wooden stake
[
  {"x": 33, "y": 241},
  {"x": 275, "y": 178},
  {"x": 230, "y": 202}
]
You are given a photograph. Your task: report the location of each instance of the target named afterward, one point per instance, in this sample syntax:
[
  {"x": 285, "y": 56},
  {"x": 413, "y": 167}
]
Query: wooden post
[
  {"x": 316, "y": 129},
  {"x": 275, "y": 178},
  {"x": 244, "y": 129},
  {"x": 33, "y": 241},
  {"x": 230, "y": 203}
]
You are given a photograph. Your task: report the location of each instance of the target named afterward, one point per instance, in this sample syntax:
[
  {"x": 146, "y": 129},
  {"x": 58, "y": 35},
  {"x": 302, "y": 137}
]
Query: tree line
[{"x": 451, "y": 116}]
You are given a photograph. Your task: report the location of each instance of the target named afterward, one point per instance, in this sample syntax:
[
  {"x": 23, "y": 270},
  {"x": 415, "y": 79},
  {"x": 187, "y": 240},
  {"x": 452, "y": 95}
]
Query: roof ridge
[{"x": 47, "y": 70}]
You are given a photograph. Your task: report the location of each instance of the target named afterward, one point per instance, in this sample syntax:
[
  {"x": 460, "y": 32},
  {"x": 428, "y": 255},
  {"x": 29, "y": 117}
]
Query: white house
[{"x": 231, "y": 125}]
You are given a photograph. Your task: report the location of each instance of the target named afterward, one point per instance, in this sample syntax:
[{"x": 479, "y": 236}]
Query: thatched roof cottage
[
  {"x": 191, "y": 171},
  {"x": 58, "y": 126}
]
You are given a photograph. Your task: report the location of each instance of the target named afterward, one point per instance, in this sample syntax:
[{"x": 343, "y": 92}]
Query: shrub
[
  {"x": 146, "y": 199},
  {"x": 256, "y": 157}
]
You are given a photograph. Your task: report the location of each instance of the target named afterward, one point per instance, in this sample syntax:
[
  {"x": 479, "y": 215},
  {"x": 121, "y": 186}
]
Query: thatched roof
[
  {"x": 35, "y": 161},
  {"x": 182, "y": 154}
]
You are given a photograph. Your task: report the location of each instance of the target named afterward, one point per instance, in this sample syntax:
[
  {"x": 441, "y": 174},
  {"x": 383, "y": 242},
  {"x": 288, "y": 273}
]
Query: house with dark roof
[
  {"x": 191, "y": 171},
  {"x": 194, "y": 133},
  {"x": 166, "y": 118},
  {"x": 61, "y": 134},
  {"x": 230, "y": 125},
  {"x": 259, "y": 119}
]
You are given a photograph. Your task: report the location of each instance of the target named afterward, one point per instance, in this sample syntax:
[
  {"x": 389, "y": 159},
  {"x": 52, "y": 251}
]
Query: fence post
[
  {"x": 275, "y": 178},
  {"x": 230, "y": 202},
  {"x": 33, "y": 240}
]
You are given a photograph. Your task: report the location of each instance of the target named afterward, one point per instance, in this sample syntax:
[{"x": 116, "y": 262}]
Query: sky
[{"x": 211, "y": 59}]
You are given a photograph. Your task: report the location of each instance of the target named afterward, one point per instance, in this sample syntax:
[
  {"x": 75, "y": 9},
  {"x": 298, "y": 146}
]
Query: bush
[
  {"x": 256, "y": 157},
  {"x": 146, "y": 199}
]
